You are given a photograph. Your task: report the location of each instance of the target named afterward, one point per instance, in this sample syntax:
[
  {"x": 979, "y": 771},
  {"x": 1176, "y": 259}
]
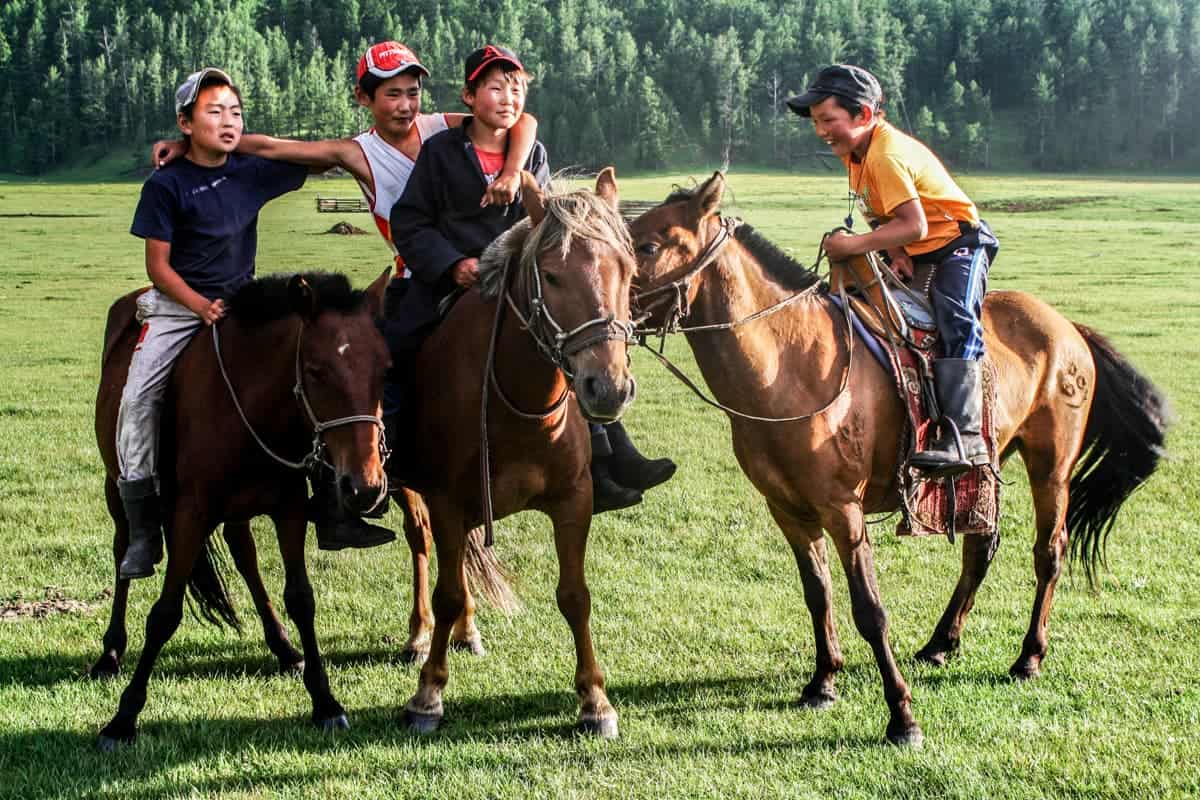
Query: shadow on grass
[{"x": 55, "y": 763}]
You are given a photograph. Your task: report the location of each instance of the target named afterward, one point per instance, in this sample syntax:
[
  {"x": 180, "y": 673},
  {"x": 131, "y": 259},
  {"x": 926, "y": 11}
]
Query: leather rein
[
  {"x": 317, "y": 454},
  {"x": 675, "y": 297}
]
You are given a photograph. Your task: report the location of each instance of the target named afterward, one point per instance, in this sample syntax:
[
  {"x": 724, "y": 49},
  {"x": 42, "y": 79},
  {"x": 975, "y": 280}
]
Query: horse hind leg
[
  {"x": 464, "y": 635},
  {"x": 245, "y": 557},
  {"x": 1049, "y": 478},
  {"x": 807, "y": 541},
  {"x": 976, "y": 558},
  {"x": 108, "y": 665}
]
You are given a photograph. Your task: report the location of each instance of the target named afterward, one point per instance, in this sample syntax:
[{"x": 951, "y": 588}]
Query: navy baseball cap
[
  {"x": 484, "y": 57},
  {"x": 843, "y": 80}
]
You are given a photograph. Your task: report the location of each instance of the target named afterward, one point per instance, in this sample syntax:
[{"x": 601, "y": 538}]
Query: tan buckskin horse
[
  {"x": 1089, "y": 428},
  {"x": 546, "y": 338}
]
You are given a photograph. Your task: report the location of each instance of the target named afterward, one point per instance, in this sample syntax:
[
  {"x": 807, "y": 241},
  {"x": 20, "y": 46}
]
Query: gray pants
[{"x": 167, "y": 328}]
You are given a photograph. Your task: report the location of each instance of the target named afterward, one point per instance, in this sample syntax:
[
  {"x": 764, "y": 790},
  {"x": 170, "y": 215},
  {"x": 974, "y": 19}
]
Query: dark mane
[
  {"x": 778, "y": 265},
  {"x": 266, "y": 299}
]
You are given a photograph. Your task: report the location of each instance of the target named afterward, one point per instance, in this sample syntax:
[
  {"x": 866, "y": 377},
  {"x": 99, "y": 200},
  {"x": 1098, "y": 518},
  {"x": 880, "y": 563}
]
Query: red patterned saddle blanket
[{"x": 899, "y": 331}]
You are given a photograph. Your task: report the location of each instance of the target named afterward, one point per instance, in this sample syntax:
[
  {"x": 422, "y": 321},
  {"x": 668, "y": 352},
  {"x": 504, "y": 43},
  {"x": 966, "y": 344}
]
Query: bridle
[
  {"x": 674, "y": 296},
  {"x": 316, "y": 456}
]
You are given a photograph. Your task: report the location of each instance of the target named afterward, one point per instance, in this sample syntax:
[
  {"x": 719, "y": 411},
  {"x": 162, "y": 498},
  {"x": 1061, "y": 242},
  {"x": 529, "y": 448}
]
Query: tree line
[{"x": 640, "y": 83}]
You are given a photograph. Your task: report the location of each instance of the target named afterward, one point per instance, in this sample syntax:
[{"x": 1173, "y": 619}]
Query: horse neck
[
  {"x": 771, "y": 366},
  {"x": 260, "y": 361}
]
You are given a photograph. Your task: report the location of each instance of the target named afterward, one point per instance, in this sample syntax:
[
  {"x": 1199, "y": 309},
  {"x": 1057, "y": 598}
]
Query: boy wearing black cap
[
  {"x": 441, "y": 231},
  {"x": 917, "y": 213},
  {"x": 199, "y": 219}
]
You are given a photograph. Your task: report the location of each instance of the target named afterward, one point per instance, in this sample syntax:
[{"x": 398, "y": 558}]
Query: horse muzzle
[{"x": 604, "y": 392}]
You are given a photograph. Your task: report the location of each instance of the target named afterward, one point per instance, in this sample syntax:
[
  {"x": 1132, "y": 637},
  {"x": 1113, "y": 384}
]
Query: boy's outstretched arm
[
  {"x": 521, "y": 140},
  {"x": 319, "y": 155},
  {"x": 167, "y": 280}
]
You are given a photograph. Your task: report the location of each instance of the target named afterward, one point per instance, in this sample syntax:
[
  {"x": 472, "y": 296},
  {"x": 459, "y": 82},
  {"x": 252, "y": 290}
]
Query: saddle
[{"x": 897, "y": 322}]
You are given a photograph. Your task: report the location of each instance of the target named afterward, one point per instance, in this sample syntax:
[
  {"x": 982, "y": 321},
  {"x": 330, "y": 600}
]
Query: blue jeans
[{"x": 959, "y": 285}]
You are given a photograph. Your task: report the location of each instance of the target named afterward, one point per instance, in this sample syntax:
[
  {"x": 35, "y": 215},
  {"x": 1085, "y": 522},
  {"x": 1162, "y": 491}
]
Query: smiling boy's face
[
  {"x": 498, "y": 99},
  {"x": 216, "y": 123},
  {"x": 396, "y": 103}
]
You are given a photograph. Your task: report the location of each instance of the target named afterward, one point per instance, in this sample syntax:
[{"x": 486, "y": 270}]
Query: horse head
[
  {"x": 341, "y": 359},
  {"x": 573, "y": 264},
  {"x": 673, "y": 242}
]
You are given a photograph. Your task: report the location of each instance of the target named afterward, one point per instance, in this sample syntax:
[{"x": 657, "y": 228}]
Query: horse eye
[
  {"x": 648, "y": 249},
  {"x": 551, "y": 278}
]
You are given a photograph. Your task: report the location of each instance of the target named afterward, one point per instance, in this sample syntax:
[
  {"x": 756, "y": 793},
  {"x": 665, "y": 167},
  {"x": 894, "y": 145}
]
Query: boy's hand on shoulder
[
  {"x": 165, "y": 151},
  {"x": 466, "y": 272},
  {"x": 502, "y": 191}
]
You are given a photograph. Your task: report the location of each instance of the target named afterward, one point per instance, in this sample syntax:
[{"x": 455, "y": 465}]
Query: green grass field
[{"x": 698, "y": 615}]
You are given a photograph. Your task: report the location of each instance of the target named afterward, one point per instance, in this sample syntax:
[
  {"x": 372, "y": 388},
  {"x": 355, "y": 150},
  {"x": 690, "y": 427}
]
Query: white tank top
[{"x": 390, "y": 170}]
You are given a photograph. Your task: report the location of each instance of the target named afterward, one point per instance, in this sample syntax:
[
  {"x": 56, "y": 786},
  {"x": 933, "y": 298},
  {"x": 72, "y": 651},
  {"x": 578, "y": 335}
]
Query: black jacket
[{"x": 437, "y": 222}]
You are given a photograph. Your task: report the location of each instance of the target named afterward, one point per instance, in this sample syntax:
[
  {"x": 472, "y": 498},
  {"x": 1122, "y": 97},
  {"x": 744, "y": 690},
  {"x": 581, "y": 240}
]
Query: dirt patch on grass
[
  {"x": 346, "y": 229},
  {"x": 53, "y": 601},
  {"x": 1033, "y": 205}
]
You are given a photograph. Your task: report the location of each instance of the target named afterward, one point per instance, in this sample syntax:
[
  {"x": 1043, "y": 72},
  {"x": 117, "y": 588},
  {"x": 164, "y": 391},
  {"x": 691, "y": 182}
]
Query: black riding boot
[
  {"x": 631, "y": 468},
  {"x": 607, "y": 494},
  {"x": 142, "y": 510},
  {"x": 337, "y": 529},
  {"x": 960, "y": 394}
]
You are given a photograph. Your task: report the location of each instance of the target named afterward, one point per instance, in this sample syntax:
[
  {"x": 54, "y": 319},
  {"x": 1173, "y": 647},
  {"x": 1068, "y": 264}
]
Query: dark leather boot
[
  {"x": 629, "y": 467},
  {"x": 607, "y": 494},
  {"x": 959, "y": 388},
  {"x": 336, "y": 529},
  {"x": 142, "y": 510}
]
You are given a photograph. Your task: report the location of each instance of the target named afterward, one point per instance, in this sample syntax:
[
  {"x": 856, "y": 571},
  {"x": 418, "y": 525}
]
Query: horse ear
[
  {"x": 606, "y": 186},
  {"x": 302, "y": 297},
  {"x": 707, "y": 199},
  {"x": 531, "y": 196}
]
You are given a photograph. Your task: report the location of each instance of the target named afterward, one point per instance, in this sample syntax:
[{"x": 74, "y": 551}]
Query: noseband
[{"x": 316, "y": 456}]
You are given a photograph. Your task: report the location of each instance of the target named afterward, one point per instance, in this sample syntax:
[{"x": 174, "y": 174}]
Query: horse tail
[
  {"x": 1123, "y": 444},
  {"x": 487, "y": 575},
  {"x": 208, "y": 589}
]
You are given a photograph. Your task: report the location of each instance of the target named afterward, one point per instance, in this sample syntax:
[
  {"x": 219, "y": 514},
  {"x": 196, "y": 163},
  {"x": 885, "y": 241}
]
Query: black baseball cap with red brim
[
  {"x": 486, "y": 56},
  {"x": 841, "y": 80}
]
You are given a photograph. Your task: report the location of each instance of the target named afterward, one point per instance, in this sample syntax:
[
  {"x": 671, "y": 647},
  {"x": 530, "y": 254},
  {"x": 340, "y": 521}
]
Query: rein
[
  {"x": 680, "y": 309},
  {"x": 317, "y": 454}
]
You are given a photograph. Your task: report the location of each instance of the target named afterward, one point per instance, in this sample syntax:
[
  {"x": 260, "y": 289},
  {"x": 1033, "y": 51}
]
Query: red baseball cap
[
  {"x": 387, "y": 60},
  {"x": 484, "y": 57}
]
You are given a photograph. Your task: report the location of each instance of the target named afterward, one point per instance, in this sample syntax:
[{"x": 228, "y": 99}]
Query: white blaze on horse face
[{"x": 341, "y": 351}]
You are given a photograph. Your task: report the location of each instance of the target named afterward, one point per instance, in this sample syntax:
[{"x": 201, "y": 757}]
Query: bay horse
[
  {"x": 1090, "y": 429},
  {"x": 296, "y": 368},
  {"x": 546, "y": 340}
]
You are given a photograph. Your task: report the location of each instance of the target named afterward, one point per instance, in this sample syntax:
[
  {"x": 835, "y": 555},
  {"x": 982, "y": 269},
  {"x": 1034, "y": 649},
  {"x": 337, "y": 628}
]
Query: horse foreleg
[
  {"x": 115, "y": 638},
  {"x": 245, "y": 558},
  {"x": 418, "y": 535},
  {"x": 423, "y": 712},
  {"x": 572, "y": 520},
  {"x": 976, "y": 558},
  {"x": 849, "y": 533},
  {"x": 161, "y": 624},
  {"x": 807, "y": 541},
  {"x": 1050, "y": 510},
  {"x": 291, "y": 528}
]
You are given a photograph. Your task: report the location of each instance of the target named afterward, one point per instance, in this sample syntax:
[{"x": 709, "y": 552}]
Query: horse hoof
[
  {"x": 600, "y": 727},
  {"x": 421, "y": 723},
  {"x": 819, "y": 701},
  {"x": 107, "y": 744},
  {"x": 474, "y": 646},
  {"x": 114, "y": 736},
  {"x": 414, "y": 655},
  {"x": 1024, "y": 672},
  {"x": 334, "y": 724},
  {"x": 106, "y": 667},
  {"x": 909, "y": 737},
  {"x": 932, "y": 657}
]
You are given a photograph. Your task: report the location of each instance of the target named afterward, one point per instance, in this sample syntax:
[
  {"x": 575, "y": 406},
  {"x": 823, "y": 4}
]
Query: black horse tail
[
  {"x": 1122, "y": 446},
  {"x": 487, "y": 575},
  {"x": 209, "y": 593}
]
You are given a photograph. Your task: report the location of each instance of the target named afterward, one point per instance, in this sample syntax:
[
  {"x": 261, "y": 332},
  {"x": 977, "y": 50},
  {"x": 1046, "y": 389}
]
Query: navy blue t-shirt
[{"x": 210, "y": 216}]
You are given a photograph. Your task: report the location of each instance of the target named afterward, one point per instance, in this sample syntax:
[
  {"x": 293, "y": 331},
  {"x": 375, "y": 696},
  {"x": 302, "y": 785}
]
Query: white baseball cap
[{"x": 185, "y": 95}]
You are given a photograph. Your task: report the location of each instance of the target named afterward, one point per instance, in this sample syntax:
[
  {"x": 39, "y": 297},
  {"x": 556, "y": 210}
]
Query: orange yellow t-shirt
[{"x": 897, "y": 169}]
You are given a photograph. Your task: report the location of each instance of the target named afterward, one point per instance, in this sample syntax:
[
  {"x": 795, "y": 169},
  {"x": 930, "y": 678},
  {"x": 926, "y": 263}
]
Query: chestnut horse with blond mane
[{"x": 1089, "y": 428}]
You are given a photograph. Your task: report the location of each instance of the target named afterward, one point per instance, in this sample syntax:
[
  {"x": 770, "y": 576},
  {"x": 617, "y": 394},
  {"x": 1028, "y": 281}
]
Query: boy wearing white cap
[{"x": 199, "y": 220}]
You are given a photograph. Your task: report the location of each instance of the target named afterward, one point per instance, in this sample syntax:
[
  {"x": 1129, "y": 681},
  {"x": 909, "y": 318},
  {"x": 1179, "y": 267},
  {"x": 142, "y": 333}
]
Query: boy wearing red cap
[
  {"x": 440, "y": 233},
  {"x": 917, "y": 214}
]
